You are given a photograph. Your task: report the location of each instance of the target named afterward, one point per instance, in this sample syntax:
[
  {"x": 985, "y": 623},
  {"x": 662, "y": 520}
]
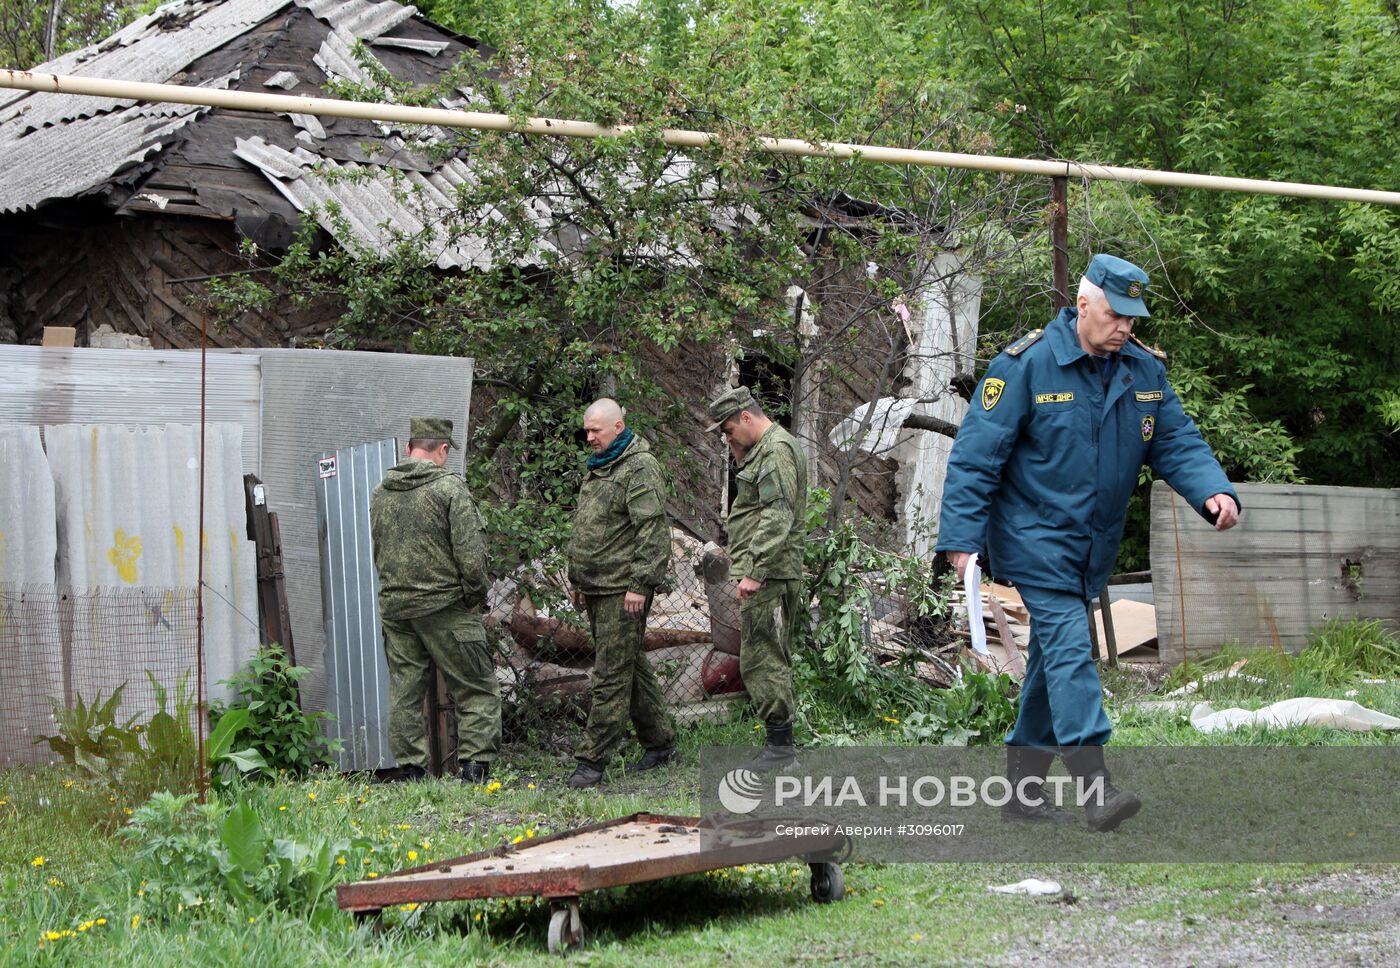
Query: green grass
[{"x": 893, "y": 914}]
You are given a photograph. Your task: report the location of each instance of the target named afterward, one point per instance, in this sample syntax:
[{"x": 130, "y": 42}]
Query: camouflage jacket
[
  {"x": 427, "y": 540},
  {"x": 767, "y": 521},
  {"x": 621, "y": 539}
]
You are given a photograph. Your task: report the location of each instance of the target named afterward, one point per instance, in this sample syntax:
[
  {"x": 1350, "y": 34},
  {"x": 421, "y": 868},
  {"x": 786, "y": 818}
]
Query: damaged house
[{"x": 115, "y": 215}]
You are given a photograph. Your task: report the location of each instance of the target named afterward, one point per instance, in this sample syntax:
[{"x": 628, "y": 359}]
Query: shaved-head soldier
[{"x": 618, "y": 555}]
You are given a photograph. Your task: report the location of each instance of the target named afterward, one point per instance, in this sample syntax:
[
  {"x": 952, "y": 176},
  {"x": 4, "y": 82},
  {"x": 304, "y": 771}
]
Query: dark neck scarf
[{"x": 613, "y": 452}]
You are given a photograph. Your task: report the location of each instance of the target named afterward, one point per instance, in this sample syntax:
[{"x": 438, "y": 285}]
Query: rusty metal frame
[{"x": 367, "y": 897}]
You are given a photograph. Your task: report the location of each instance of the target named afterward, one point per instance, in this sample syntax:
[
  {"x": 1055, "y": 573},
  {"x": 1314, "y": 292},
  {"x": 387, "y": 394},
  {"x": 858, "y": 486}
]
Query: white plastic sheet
[{"x": 1303, "y": 711}]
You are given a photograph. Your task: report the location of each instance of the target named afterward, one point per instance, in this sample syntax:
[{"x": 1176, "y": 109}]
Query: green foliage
[
  {"x": 189, "y": 855},
  {"x": 843, "y": 688},
  {"x": 976, "y": 709},
  {"x": 130, "y": 756},
  {"x": 1340, "y": 653},
  {"x": 269, "y": 716}
]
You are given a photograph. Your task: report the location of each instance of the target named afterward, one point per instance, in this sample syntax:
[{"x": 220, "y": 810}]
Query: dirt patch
[{"x": 1349, "y": 918}]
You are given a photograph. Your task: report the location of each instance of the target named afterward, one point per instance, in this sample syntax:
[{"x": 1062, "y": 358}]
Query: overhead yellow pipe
[{"x": 681, "y": 138}]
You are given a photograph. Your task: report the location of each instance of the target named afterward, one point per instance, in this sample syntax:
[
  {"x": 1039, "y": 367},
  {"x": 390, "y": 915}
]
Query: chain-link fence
[
  {"x": 692, "y": 643},
  {"x": 98, "y": 706}
]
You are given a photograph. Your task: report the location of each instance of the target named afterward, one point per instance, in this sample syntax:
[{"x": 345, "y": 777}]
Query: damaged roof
[{"x": 262, "y": 171}]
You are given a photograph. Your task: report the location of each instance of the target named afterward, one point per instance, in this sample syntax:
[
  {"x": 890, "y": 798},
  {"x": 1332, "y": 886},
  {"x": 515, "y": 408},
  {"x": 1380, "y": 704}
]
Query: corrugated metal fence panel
[
  {"x": 52, "y": 385},
  {"x": 357, "y": 676},
  {"x": 316, "y": 401},
  {"x": 28, "y": 539},
  {"x": 128, "y": 516},
  {"x": 1299, "y": 556}
]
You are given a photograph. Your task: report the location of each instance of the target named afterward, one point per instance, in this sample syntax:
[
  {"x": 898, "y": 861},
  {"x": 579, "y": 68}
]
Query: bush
[{"x": 288, "y": 738}]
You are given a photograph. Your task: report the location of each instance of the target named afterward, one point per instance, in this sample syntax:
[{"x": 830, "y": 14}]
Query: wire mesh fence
[
  {"x": 691, "y": 643},
  {"x": 98, "y": 707}
]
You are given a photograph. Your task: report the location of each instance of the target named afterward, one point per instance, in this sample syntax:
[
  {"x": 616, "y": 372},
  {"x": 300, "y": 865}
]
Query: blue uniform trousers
[{"x": 1061, "y": 698}]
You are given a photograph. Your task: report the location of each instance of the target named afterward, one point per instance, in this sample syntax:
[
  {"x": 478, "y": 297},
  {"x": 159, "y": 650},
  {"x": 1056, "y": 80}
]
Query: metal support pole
[{"x": 1059, "y": 238}]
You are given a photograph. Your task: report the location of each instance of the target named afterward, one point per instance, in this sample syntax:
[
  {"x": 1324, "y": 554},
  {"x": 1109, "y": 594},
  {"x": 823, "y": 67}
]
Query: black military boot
[
  {"x": 1109, "y": 806},
  {"x": 778, "y": 751},
  {"x": 1023, "y": 762},
  {"x": 475, "y": 771},
  {"x": 585, "y": 775},
  {"x": 652, "y": 759}
]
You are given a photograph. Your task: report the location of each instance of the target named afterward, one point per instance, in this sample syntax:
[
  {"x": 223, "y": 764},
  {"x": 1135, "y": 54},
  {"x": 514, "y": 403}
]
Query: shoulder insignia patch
[
  {"x": 991, "y": 392},
  {"x": 1151, "y": 349},
  {"x": 1019, "y": 347}
]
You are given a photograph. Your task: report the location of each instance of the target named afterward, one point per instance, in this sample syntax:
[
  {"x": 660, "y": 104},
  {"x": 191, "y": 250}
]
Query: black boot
[
  {"x": 408, "y": 773},
  {"x": 475, "y": 771},
  {"x": 1108, "y": 806},
  {"x": 652, "y": 759},
  {"x": 1023, "y": 762},
  {"x": 585, "y": 775},
  {"x": 778, "y": 751}
]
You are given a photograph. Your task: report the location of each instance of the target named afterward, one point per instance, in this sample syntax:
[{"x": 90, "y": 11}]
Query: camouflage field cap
[
  {"x": 431, "y": 428},
  {"x": 1121, "y": 281},
  {"x": 727, "y": 404}
]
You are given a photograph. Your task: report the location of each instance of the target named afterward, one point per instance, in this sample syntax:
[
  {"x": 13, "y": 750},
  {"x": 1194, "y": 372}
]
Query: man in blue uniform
[{"x": 1039, "y": 479}]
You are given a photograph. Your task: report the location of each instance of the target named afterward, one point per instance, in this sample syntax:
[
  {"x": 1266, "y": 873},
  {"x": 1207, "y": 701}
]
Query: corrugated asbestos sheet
[
  {"x": 28, "y": 538},
  {"x": 78, "y": 155},
  {"x": 49, "y": 385},
  {"x": 380, "y": 210},
  {"x": 1299, "y": 556},
  {"x": 316, "y": 401},
  {"x": 357, "y": 676},
  {"x": 127, "y": 503}
]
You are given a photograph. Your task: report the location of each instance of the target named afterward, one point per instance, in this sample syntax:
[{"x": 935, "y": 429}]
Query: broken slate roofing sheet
[{"x": 65, "y": 145}]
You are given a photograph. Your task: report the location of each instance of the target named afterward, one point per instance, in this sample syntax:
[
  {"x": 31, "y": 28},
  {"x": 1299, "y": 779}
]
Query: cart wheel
[
  {"x": 565, "y": 929},
  {"x": 828, "y": 883}
]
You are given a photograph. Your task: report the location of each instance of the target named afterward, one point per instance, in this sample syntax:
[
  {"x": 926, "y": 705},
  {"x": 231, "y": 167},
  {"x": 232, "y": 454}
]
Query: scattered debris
[{"x": 1231, "y": 673}]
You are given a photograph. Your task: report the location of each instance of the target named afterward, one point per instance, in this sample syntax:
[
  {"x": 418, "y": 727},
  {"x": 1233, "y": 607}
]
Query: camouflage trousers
[
  {"x": 455, "y": 641},
  {"x": 768, "y": 621},
  {"x": 624, "y": 685}
]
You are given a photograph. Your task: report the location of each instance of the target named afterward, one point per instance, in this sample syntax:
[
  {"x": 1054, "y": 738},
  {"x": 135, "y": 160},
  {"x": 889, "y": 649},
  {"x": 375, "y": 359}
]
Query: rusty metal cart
[{"x": 629, "y": 850}]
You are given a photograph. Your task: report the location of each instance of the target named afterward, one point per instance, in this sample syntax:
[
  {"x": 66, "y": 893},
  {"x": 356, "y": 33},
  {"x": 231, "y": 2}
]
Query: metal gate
[{"x": 357, "y": 677}]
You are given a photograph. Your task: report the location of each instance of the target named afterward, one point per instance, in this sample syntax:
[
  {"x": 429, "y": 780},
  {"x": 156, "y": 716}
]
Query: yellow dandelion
[
  {"x": 878, "y": 902},
  {"x": 282, "y": 807},
  {"x": 372, "y": 875},
  {"x": 251, "y": 920},
  {"x": 101, "y": 922},
  {"x": 52, "y": 935},
  {"x": 529, "y": 833},
  {"x": 517, "y": 839},
  {"x": 916, "y": 937},
  {"x": 412, "y": 855},
  {"x": 311, "y": 795},
  {"x": 405, "y": 826},
  {"x": 135, "y": 920},
  {"x": 493, "y": 786},
  {"x": 408, "y": 907},
  {"x": 529, "y": 786},
  {"x": 38, "y": 862},
  {"x": 340, "y": 861},
  {"x": 68, "y": 784}
]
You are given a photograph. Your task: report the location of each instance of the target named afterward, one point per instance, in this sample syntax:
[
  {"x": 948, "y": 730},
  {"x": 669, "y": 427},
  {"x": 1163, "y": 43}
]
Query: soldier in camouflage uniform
[
  {"x": 618, "y": 555},
  {"x": 767, "y": 525},
  {"x": 431, "y": 560}
]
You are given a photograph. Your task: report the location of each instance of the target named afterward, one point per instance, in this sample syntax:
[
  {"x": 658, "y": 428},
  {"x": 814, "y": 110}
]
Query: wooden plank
[{"x": 1300, "y": 556}]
